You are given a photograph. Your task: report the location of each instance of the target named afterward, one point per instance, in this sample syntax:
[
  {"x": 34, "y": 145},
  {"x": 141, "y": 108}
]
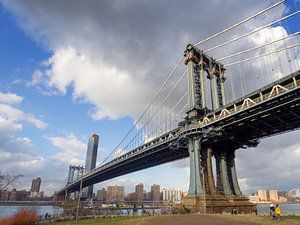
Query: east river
[
  {"x": 41, "y": 210},
  {"x": 262, "y": 209}
]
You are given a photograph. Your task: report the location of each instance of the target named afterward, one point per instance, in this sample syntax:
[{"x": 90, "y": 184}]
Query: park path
[{"x": 196, "y": 219}]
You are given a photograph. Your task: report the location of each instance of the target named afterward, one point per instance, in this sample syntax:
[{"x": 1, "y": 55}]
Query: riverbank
[{"x": 187, "y": 219}]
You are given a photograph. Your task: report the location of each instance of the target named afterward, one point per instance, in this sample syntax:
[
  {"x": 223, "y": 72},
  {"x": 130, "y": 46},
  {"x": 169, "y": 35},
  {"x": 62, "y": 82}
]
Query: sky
[{"x": 72, "y": 68}]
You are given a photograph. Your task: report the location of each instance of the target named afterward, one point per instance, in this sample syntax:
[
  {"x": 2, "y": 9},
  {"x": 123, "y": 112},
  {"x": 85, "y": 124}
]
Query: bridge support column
[
  {"x": 223, "y": 185},
  {"x": 207, "y": 172},
  {"x": 233, "y": 180},
  {"x": 195, "y": 187}
]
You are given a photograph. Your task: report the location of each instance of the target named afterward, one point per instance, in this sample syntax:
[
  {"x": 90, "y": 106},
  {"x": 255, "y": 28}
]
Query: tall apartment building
[
  {"x": 139, "y": 192},
  {"x": 273, "y": 195},
  {"x": 90, "y": 162},
  {"x": 155, "y": 192},
  {"x": 115, "y": 193},
  {"x": 36, "y": 185},
  {"x": 171, "y": 195},
  {"x": 262, "y": 194},
  {"x": 101, "y": 195}
]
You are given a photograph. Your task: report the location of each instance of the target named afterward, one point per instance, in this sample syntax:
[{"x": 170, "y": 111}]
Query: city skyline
[{"x": 59, "y": 89}]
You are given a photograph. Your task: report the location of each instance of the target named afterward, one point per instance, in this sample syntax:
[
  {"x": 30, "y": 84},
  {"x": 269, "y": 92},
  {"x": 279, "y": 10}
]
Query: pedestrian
[
  {"x": 277, "y": 212},
  {"x": 272, "y": 211}
]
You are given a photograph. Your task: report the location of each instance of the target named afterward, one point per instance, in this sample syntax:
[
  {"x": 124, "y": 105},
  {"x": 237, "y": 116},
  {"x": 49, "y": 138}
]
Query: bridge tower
[{"x": 203, "y": 195}]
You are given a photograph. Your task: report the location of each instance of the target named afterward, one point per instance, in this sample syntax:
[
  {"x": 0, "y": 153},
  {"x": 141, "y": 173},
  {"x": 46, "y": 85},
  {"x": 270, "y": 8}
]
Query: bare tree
[{"x": 8, "y": 180}]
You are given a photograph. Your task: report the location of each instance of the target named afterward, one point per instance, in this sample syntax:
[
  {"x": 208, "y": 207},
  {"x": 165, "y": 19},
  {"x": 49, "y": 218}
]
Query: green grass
[{"x": 100, "y": 221}]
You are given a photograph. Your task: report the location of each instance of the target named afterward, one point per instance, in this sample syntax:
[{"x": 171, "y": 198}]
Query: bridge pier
[{"x": 206, "y": 197}]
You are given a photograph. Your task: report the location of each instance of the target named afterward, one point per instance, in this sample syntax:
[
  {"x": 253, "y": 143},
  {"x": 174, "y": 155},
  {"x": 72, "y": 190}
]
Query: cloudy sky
[{"x": 71, "y": 68}]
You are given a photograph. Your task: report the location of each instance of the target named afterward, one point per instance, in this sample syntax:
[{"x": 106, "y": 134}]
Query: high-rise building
[
  {"x": 171, "y": 195},
  {"x": 101, "y": 195},
  {"x": 273, "y": 195},
  {"x": 36, "y": 185},
  {"x": 90, "y": 162},
  {"x": 115, "y": 193},
  {"x": 139, "y": 191},
  {"x": 155, "y": 192},
  {"x": 262, "y": 194}
]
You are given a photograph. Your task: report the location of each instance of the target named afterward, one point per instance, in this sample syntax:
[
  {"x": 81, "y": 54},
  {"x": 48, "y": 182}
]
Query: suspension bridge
[{"x": 225, "y": 93}]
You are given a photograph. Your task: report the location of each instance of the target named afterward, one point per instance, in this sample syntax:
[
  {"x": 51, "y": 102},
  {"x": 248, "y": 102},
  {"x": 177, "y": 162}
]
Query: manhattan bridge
[{"x": 227, "y": 92}]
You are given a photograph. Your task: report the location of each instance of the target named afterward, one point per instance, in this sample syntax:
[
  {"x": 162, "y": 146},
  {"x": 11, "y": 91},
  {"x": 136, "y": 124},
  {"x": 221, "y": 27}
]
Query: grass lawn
[
  {"x": 191, "y": 219},
  {"x": 100, "y": 221}
]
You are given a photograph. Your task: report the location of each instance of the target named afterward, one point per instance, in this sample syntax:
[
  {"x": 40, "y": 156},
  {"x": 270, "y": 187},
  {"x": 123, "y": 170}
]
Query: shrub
[{"x": 22, "y": 217}]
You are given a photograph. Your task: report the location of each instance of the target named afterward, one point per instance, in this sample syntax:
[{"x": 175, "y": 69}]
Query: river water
[
  {"x": 41, "y": 210},
  {"x": 286, "y": 208},
  {"x": 262, "y": 209}
]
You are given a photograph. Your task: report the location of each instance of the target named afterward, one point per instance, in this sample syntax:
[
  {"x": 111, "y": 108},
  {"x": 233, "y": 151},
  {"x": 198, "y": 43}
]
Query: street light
[
  {"x": 78, "y": 202},
  {"x": 204, "y": 194}
]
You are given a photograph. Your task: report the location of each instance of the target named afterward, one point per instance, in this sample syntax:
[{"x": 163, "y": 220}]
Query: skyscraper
[
  {"x": 101, "y": 195},
  {"x": 115, "y": 193},
  {"x": 90, "y": 162},
  {"x": 155, "y": 192},
  {"x": 139, "y": 191},
  {"x": 36, "y": 185},
  {"x": 262, "y": 194},
  {"x": 273, "y": 193}
]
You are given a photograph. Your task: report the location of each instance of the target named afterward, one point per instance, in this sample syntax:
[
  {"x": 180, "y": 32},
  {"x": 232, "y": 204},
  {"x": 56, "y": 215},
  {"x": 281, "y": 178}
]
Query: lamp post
[
  {"x": 78, "y": 201},
  {"x": 204, "y": 193}
]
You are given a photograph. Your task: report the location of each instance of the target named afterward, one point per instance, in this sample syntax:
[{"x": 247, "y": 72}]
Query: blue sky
[{"x": 60, "y": 69}]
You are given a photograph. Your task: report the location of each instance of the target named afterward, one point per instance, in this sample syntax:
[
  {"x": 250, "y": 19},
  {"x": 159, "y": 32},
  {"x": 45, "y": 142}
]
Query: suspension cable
[
  {"x": 155, "y": 97},
  {"x": 259, "y": 56},
  {"x": 166, "y": 117},
  {"x": 257, "y": 47},
  {"x": 239, "y": 23},
  {"x": 252, "y": 32},
  {"x": 176, "y": 84}
]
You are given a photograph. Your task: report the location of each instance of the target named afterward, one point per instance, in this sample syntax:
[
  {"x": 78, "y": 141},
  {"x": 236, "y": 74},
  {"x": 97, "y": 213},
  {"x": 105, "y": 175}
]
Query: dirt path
[{"x": 213, "y": 220}]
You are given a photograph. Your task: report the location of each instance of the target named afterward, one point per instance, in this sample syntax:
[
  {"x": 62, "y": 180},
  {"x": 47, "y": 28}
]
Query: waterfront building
[
  {"x": 5, "y": 195},
  {"x": 13, "y": 196},
  {"x": 155, "y": 192},
  {"x": 23, "y": 195},
  {"x": 273, "y": 195},
  {"x": 115, "y": 193},
  {"x": 294, "y": 193},
  {"x": 171, "y": 195},
  {"x": 262, "y": 194},
  {"x": 90, "y": 162},
  {"x": 139, "y": 191},
  {"x": 148, "y": 196},
  {"x": 254, "y": 198},
  {"x": 131, "y": 197},
  {"x": 101, "y": 195},
  {"x": 36, "y": 185},
  {"x": 282, "y": 199}
]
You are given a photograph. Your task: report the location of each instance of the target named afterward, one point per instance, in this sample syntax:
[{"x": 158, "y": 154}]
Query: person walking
[
  {"x": 277, "y": 212},
  {"x": 272, "y": 211}
]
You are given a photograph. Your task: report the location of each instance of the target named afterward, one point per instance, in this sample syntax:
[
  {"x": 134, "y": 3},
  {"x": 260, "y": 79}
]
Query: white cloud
[
  {"x": 13, "y": 114},
  {"x": 71, "y": 150},
  {"x": 23, "y": 162},
  {"x": 10, "y": 98}
]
